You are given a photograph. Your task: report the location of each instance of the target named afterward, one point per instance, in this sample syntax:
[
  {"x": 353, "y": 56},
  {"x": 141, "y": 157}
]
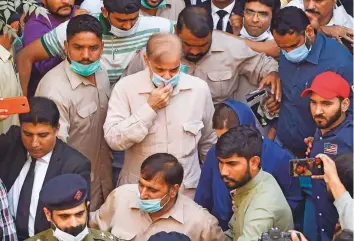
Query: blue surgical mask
[
  {"x": 146, "y": 5},
  {"x": 152, "y": 205},
  {"x": 299, "y": 54},
  {"x": 156, "y": 79},
  {"x": 85, "y": 70}
]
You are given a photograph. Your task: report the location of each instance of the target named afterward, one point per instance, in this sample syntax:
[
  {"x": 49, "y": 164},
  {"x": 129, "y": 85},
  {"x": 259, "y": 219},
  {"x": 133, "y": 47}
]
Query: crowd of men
[{"x": 178, "y": 120}]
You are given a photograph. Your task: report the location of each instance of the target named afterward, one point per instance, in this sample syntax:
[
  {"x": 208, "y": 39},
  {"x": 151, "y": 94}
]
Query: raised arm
[{"x": 32, "y": 53}]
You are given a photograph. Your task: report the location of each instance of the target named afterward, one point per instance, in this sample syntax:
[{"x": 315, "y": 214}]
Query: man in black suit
[
  {"x": 30, "y": 155},
  {"x": 227, "y": 14}
]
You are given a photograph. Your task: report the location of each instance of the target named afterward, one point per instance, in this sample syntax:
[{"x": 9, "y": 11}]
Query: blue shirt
[
  {"x": 335, "y": 142},
  {"x": 295, "y": 120}
]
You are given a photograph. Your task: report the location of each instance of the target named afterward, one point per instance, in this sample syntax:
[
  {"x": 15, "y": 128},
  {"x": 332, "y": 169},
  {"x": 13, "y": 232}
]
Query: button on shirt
[
  {"x": 335, "y": 142},
  {"x": 121, "y": 216},
  {"x": 14, "y": 193},
  {"x": 180, "y": 128},
  {"x": 295, "y": 120},
  {"x": 83, "y": 109},
  {"x": 340, "y": 16},
  {"x": 215, "y": 9}
]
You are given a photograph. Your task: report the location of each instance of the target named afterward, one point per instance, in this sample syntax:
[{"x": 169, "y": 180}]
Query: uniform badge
[
  {"x": 330, "y": 148},
  {"x": 78, "y": 195}
]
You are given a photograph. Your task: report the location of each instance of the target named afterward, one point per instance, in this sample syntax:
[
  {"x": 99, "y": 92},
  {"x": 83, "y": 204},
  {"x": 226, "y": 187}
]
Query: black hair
[
  {"x": 344, "y": 164},
  {"x": 195, "y": 19},
  {"x": 84, "y": 23},
  {"x": 122, "y": 6},
  {"x": 289, "y": 20},
  {"x": 273, "y": 4},
  {"x": 165, "y": 164},
  {"x": 224, "y": 117},
  {"x": 42, "y": 110},
  {"x": 244, "y": 141},
  {"x": 171, "y": 236},
  {"x": 344, "y": 235}
]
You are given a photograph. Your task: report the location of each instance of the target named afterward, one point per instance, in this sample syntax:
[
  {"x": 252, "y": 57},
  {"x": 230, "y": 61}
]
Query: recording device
[
  {"x": 275, "y": 234},
  {"x": 14, "y": 105},
  {"x": 256, "y": 101},
  {"x": 306, "y": 167}
]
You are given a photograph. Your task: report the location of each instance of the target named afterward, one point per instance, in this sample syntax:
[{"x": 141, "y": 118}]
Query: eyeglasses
[{"x": 260, "y": 15}]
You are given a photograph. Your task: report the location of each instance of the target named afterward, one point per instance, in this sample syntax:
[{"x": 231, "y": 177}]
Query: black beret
[
  {"x": 172, "y": 236},
  {"x": 122, "y": 6},
  {"x": 64, "y": 192}
]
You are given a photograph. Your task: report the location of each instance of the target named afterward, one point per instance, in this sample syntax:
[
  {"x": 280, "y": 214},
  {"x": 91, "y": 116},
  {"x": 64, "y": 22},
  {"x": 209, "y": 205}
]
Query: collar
[
  {"x": 348, "y": 121},
  {"x": 251, "y": 184},
  {"x": 316, "y": 49},
  {"x": 169, "y": 3},
  {"x": 45, "y": 159},
  {"x": 5, "y": 55},
  {"x": 148, "y": 86},
  {"x": 228, "y": 9},
  {"x": 106, "y": 26},
  {"x": 176, "y": 212},
  {"x": 340, "y": 16},
  {"x": 74, "y": 79}
]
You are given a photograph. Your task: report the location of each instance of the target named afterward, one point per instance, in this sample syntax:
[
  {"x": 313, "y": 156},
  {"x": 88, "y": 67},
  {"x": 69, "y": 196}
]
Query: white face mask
[
  {"x": 124, "y": 33},
  {"x": 62, "y": 236},
  {"x": 263, "y": 37}
]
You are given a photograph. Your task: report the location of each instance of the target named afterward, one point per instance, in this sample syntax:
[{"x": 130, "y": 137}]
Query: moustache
[
  {"x": 228, "y": 179},
  {"x": 312, "y": 11},
  {"x": 74, "y": 231},
  {"x": 65, "y": 6},
  {"x": 85, "y": 61},
  {"x": 319, "y": 116}
]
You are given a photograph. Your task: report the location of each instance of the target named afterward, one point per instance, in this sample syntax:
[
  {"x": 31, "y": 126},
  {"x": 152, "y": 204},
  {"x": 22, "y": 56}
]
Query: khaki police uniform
[{"x": 92, "y": 235}]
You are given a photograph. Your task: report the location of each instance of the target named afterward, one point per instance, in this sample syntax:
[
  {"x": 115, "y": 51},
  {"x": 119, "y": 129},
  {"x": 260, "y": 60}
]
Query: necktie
[
  {"x": 222, "y": 14},
  {"x": 24, "y": 202}
]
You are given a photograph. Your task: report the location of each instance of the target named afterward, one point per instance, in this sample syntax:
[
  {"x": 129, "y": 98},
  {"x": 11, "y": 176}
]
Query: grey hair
[{"x": 163, "y": 44}]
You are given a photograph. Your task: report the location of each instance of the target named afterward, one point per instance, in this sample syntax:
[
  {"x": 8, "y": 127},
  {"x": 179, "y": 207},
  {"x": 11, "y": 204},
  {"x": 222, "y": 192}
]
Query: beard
[
  {"x": 74, "y": 231},
  {"x": 234, "y": 184},
  {"x": 56, "y": 13},
  {"x": 326, "y": 123}
]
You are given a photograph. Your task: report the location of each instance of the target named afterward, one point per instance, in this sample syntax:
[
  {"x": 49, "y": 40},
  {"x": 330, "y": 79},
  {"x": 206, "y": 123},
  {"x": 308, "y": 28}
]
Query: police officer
[
  {"x": 66, "y": 208},
  {"x": 329, "y": 102}
]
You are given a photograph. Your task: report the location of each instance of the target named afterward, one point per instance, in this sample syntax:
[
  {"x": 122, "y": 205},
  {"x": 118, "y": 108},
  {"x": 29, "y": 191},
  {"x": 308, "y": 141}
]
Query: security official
[{"x": 66, "y": 208}]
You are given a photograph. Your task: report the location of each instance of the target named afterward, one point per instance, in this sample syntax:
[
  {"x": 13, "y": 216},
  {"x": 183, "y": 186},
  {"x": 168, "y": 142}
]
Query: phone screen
[{"x": 306, "y": 167}]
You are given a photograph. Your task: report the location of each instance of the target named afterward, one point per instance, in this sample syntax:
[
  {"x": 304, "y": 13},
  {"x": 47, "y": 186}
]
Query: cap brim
[{"x": 323, "y": 93}]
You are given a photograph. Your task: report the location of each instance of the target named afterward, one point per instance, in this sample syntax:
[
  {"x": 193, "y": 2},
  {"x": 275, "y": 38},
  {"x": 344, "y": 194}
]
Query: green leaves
[{"x": 8, "y": 7}]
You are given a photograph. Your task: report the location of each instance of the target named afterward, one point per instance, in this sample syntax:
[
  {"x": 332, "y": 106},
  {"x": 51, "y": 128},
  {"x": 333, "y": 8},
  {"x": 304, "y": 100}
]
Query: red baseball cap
[{"x": 328, "y": 85}]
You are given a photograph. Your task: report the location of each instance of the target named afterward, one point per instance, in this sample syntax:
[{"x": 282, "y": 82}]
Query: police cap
[{"x": 64, "y": 192}]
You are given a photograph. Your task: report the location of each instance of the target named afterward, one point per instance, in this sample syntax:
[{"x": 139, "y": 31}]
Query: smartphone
[
  {"x": 306, "y": 167},
  {"x": 14, "y": 105},
  {"x": 348, "y": 45}
]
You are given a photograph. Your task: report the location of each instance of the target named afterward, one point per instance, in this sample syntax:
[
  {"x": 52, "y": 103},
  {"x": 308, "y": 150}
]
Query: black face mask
[{"x": 74, "y": 231}]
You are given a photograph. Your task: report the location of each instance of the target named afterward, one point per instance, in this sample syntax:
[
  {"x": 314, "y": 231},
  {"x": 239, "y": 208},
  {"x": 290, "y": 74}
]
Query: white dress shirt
[
  {"x": 216, "y": 17},
  {"x": 340, "y": 16},
  {"x": 14, "y": 193}
]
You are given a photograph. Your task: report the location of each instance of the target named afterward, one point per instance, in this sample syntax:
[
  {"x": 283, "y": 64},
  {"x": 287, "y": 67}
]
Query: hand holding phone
[
  {"x": 13, "y": 105},
  {"x": 306, "y": 167}
]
